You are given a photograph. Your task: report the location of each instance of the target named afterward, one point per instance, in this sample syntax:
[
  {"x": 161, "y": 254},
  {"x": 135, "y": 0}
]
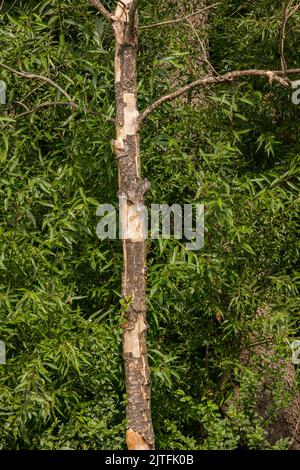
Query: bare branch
[
  {"x": 288, "y": 11},
  {"x": 132, "y": 14},
  {"x": 30, "y": 93},
  {"x": 210, "y": 68},
  {"x": 275, "y": 75},
  {"x": 100, "y": 7},
  {"x": 33, "y": 76},
  {"x": 179, "y": 20},
  {"x": 293, "y": 10},
  {"x": 39, "y": 106},
  {"x": 52, "y": 103},
  {"x": 20, "y": 103},
  {"x": 46, "y": 104}
]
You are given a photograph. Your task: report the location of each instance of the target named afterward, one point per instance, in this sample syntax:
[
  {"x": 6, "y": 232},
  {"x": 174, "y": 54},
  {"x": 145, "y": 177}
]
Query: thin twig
[
  {"x": 55, "y": 103},
  {"x": 275, "y": 75},
  {"x": 100, "y": 7},
  {"x": 211, "y": 69},
  {"x": 178, "y": 20},
  {"x": 288, "y": 11},
  {"x": 33, "y": 76},
  {"x": 36, "y": 108},
  {"x": 132, "y": 13},
  {"x": 46, "y": 104},
  {"x": 294, "y": 10},
  {"x": 31, "y": 92},
  {"x": 22, "y": 104}
]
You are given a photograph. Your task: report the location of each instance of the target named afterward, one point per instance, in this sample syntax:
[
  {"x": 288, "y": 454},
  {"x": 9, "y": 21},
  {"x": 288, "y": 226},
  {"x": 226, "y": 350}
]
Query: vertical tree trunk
[{"x": 139, "y": 435}]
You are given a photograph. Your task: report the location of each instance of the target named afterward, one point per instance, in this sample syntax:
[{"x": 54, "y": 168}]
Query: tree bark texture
[{"x": 132, "y": 187}]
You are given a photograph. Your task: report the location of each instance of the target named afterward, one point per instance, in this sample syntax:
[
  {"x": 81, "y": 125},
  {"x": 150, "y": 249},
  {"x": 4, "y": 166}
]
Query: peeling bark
[{"x": 132, "y": 188}]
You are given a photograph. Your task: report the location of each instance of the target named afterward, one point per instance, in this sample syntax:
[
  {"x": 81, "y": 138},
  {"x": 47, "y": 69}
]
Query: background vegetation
[{"x": 234, "y": 148}]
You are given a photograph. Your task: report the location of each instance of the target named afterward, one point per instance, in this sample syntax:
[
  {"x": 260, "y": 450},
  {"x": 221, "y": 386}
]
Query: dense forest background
[{"x": 221, "y": 320}]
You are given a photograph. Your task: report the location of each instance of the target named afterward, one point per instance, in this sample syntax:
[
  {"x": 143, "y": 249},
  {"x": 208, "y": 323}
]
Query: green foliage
[{"x": 235, "y": 148}]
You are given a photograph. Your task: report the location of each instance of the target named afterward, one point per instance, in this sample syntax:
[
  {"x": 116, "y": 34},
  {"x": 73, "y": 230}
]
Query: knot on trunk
[{"x": 135, "y": 190}]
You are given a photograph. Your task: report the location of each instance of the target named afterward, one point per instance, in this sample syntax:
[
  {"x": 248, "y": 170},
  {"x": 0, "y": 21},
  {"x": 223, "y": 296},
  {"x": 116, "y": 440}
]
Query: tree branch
[
  {"x": 179, "y": 20},
  {"x": 33, "y": 76},
  {"x": 293, "y": 10},
  {"x": 275, "y": 75},
  {"x": 210, "y": 68},
  {"x": 39, "y": 106},
  {"x": 132, "y": 14},
  {"x": 285, "y": 14},
  {"x": 100, "y": 7},
  {"x": 45, "y": 105},
  {"x": 288, "y": 11},
  {"x": 54, "y": 103}
]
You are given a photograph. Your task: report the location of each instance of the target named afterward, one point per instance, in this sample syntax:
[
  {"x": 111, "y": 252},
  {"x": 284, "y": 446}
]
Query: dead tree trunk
[{"x": 132, "y": 188}]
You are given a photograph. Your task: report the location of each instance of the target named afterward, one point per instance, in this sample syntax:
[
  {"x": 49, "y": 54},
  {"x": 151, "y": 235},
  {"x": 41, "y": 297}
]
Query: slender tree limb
[
  {"x": 20, "y": 103},
  {"x": 100, "y": 7},
  {"x": 132, "y": 14},
  {"x": 39, "y": 106},
  {"x": 46, "y": 104},
  {"x": 210, "y": 68},
  {"x": 33, "y": 76},
  {"x": 285, "y": 14},
  {"x": 288, "y": 11},
  {"x": 55, "y": 103},
  {"x": 275, "y": 75},
  {"x": 178, "y": 20},
  {"x": 293, "y": 10}
]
